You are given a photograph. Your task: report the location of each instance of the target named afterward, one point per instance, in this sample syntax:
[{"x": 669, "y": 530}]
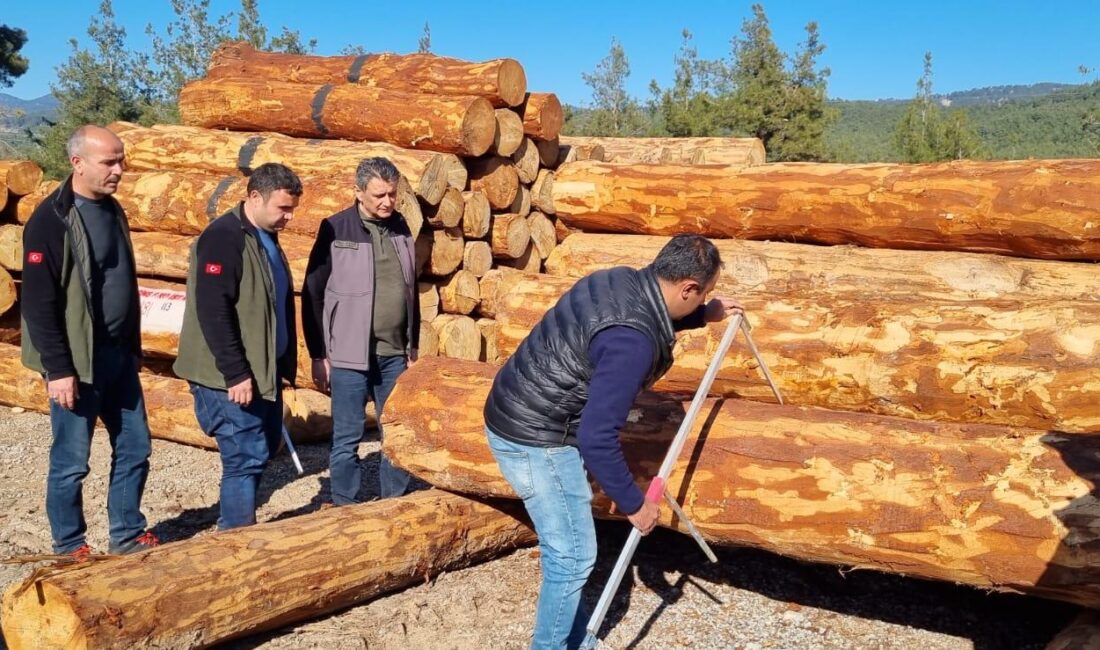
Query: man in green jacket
[
  {"x": 81, "y": 330},
  {"x": 238, "y": 343}
]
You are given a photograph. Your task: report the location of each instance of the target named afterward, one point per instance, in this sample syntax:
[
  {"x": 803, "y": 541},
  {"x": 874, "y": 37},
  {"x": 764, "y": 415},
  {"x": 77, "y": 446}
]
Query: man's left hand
[{"x": 721, "y": 309}]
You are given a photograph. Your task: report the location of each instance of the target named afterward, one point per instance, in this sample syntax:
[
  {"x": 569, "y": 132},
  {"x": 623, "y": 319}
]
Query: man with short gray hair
[{"x": 361, "y": 320}]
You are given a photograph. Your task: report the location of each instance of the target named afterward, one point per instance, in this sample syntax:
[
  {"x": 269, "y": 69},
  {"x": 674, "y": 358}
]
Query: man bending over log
[
  {"x": 361, "y": 320},
  {"x": 81, "y": 330},
  {"x": 238, "y": 341},
  {"x": 557, "y": 405}
]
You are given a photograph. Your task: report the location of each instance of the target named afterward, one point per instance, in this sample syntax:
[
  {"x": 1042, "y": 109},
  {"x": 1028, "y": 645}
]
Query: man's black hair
[
  {"x": 687, "y": 257},
  {"x": 270, "y": 177}
]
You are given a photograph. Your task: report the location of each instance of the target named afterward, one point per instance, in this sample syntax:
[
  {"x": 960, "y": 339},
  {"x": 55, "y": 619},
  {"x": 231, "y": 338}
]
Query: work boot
[{"x": 142, "y": 542}]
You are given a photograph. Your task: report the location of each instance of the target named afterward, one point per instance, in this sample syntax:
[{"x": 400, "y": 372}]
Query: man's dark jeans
[
  {"x": 247, "y": 437},
  {"x": 350, "y": 391},
  {"x": 115, "y": 397}
]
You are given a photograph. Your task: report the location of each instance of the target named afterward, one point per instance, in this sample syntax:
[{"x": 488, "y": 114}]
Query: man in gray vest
[
  {"x": 557, "y": 405},
  {"x": 238, "y": 345},
  {"x": 361, "y": 319},
  {"x": 82, "y": 331}
]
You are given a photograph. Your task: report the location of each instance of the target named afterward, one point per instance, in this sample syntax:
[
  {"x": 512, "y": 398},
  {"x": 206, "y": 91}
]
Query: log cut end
[
  {"x": 43, "y": 616},
  {"x": 511, "y": 82},
  {"x": 479, "y": 127},
  {"x": 22, "y": 176}
]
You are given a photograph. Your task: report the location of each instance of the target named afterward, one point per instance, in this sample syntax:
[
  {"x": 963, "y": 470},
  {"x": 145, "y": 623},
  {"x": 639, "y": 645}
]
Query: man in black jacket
[
  {"x": 238, "y": 343},
  {"x": 557, "y": 405},
  {"x": 81, "y": 328}
]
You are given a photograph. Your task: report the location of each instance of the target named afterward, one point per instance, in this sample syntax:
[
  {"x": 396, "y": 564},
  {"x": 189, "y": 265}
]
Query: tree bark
[
  {"x": 226, "y": 153},
  {"x": 800, "y": 270},
  {"x": 542, "y": 234},
  {"x": 1018, "y": 363},
  {"x": 509, "y": 133},
  {"x": 240, "y": 582},
  {"x": 743, "y": 152},
  {"x": 20, "y": 176},
  {"x": 476, "y": 215},
  {"x": 994, "y": 507},
  {"x": 459, "y": 337},
  {"x": 1031, "y": 208},
  {"x": 448, "y": 213},
  {"x": 526, "y": 159},
  {"x": 462, "y": 125},
  {"x": 460, "y": 293},
  {"x": 500, "y": 81},
  {"x": 496, "y": 178},
  {"x": 542, "y": 116},
  {"x": 511, "y": 234},
  {"x": 477, "y": 258}
]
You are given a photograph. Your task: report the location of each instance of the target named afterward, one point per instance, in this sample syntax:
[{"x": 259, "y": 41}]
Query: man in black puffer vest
[{"x": 557, "y": 405}]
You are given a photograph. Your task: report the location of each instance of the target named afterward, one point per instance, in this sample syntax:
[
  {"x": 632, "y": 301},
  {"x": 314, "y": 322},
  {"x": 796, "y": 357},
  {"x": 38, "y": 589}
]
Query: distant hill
[{"x": 18, "y": 113}]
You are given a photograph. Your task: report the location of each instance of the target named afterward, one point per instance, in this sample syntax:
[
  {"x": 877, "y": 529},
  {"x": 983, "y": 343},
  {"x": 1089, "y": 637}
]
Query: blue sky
[{"x": 874, "y": 47}]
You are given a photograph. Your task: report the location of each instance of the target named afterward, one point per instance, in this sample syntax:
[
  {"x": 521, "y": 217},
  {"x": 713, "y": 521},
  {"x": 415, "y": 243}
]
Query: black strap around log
[
  {"x": 318, "y": 108},
  {"x": 212, "y": 204},
  {"x": 248, "y": 150},
  {"x": 357, "y": 68}
]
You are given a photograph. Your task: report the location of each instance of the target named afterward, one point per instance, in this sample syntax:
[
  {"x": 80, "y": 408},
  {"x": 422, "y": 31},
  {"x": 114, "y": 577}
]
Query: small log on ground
[
  {"x": 501, "y": 81},
  {"x": 462, "y": 125},
  {"x": 993, "y": 507},
  {"x": 239, "y": 582}
]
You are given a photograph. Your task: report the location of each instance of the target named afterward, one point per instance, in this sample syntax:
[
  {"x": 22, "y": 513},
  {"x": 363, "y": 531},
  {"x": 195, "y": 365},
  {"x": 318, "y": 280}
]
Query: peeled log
[
  {"x": 448, "y": 213},
  {"x": 477, "y": 258},
  {"x": 243, "y": 581},
  {"x": 476, "y": 215},
  {"x": 542, "y": 234},
  {"x": 496, "y": 178},
  {"x": 459, "y": 337},
  {"x": 509, "y": 133},
  {"x": 511, "y": 235},
  {"x": 462, "y": 125},
  {"x": 526, "y": 159},
  {"x": 7, "y": 291},
  {"x": 542, "y": 116},
  {"x": 501, "y": 81},
  {"x": 742, "y": 152},
  {"x": 1019, "y": 363},
  {"x": 542, "y": 192},
  {"x": 20, "y": 176},
  {"x": 460, "y": 293},
  {"x": 226, "y": 153},
  {"x": 1028, "y": 208},
  {"x": 801, "y": 270},
  {"x": 994, "y": 507}
]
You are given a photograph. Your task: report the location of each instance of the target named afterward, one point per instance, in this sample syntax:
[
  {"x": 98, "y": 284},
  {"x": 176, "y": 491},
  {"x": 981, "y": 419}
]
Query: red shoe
[
  {"x": 142, "y": 542},
  {"x": 81, "y": 553}
]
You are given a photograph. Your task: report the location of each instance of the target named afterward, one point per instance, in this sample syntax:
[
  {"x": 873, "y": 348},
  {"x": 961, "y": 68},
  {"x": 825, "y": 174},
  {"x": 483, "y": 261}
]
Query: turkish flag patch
[
  {"x": 34, "y": 257},
  {"x": 213, "y": 269}
]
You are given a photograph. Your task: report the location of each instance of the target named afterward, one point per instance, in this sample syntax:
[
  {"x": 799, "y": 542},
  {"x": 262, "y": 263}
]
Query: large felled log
[
  {"x": 494, "y": 284},
  {"x": 526, "y": 159},
  {"x": 7, "y": 291},
  {"x": 774, "y": 268},
  {"x": 461, "y": 125},
  {"x": 678, "y": 151},
  {"x": 496, "y": 178},
  {"x": 476, "y": 216},
  {"x": 20, "y": 176},
  {"x": 459, "y": 294},
  {"x": 183, "y": 203},
  {"x": 1019, "y": 363},
  {"x": 509, "y": 134},
  {"x": 1030, "y": 208},
  {"x": 448, "y": 213},
  {"x": 27, "y": 204},
  {"x": 542, "y": 116},
  {"x": 459, "y": 337},
  {"x": 995, "y": 507},
  {"x": 222, "y": 153},
  {"x": 11, "y": 247},
  {"x": 477, "y": 258},
  {"x": 574, "y": 149},
  {"x": 447, "y": 248},
  {"x": 243, "y": 581},
  {"x": 501, "y": 81},
  {"x": 542, "y": 234},
  {"x": 510, "y": 236}
]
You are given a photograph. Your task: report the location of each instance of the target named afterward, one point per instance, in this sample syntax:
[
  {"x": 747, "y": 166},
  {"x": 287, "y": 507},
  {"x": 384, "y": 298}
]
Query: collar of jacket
[
  {"x": 653, "y": 292},
  {"x": 66, "y": 198},
  {"x": 246, "y": 225}
]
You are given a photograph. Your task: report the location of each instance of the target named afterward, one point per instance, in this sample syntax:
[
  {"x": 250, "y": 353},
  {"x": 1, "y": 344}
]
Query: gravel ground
[{"x": 674, "y": 599}]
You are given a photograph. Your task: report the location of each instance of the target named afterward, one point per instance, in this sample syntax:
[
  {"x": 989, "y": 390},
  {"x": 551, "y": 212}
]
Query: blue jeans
[
  {"x": 115, "y": 397},
  {"x": 350, "y": 391},
  {"x": 555, "y": 491},
  {"x": 247, "y": 437}
]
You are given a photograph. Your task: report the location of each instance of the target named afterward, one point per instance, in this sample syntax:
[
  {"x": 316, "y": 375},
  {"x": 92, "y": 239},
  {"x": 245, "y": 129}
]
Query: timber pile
[
  {"x": 995, "y": 507},
  {"x": 198, "y": 593}
]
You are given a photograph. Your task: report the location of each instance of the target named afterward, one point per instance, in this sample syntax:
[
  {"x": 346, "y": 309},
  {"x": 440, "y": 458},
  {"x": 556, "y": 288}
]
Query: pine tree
[
  {"x": 425, "y": 43},
  {"x": 614, "y": 112},
  {"x": 802, "y": 136},
  {"x": 687, "y": 108},
  {"x": 924, "y": 135},
  {"x": 12, "y": 64},
  {"x": 757, "y": 105}
]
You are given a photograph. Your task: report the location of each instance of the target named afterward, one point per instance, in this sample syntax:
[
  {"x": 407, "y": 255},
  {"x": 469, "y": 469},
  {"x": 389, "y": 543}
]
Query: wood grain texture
[{"x": 679, "y": 151}]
